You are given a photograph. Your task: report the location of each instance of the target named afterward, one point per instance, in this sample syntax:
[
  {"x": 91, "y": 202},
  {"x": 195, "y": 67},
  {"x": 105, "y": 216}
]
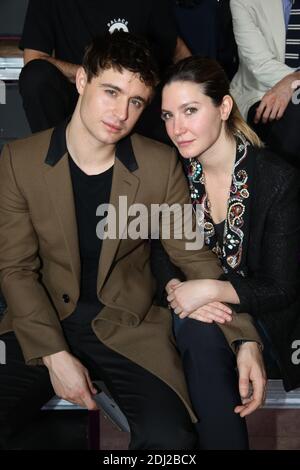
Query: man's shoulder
[
  {"x": 32, "y": 148},
  {"x": 151, "y": 151}
]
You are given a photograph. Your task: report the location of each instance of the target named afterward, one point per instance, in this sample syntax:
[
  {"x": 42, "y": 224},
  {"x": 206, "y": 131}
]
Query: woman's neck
[{"x": 220, "y": 157}]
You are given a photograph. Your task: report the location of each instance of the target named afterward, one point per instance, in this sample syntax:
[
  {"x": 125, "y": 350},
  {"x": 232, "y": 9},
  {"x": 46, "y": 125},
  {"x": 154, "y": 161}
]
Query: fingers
[
  {"x": 216, "y": 314},
  {"x": 256, "y": 399},
  {"x": 259, "y": 111},
  {"x": 244, "y": 383},
  {"x": 89, "y": 403},
  {"x": 265, "y": 109},
  {"x": 221, "y": 306},
  {"x": 92, "y": 389},
  {"x": 171, "y": 285},
  {"x": 200, "y": 317},
  {"x": 274, "y": 112},
  {"x": 214, "y": 311}
]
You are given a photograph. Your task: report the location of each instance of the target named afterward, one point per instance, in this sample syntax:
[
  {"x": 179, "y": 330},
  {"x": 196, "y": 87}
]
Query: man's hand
[
  {"x": 276, "y": 100},
  {"x": 70, "y": 379},
  {"x": 251, "y": 369}
]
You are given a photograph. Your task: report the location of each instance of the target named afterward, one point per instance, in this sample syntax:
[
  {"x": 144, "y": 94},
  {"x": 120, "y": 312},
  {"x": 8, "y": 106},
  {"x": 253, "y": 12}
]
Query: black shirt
[
  {"x": 89, "y": 193},
  {"x": 219, "y": 228},
  {"x": 68, "y": 26}
]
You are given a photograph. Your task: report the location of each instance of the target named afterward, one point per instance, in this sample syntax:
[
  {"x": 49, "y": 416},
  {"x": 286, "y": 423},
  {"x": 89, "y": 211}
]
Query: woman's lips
[{"x": 184, "y": 143}]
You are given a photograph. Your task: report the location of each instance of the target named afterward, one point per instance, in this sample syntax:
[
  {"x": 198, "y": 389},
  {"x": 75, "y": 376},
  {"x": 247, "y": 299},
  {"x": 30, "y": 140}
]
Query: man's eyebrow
[
  {"x": 116, "y": 88},
  {"x": 110, "y": 85}
]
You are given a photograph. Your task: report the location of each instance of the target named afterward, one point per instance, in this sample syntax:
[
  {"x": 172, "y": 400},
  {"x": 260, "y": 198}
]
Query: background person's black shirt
[{"x": 68, "y": 26}]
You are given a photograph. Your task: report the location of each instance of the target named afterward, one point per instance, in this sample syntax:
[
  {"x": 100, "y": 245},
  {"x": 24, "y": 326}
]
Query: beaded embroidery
[{"x": 230, "y": 252}]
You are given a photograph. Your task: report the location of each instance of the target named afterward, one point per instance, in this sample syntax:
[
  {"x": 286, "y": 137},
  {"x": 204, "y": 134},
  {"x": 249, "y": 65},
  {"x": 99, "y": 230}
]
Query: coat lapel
[
  {"x": 125, "y": 184},
  {"x": 274, "y": 12},
  {"x": 58, "y": 179}
]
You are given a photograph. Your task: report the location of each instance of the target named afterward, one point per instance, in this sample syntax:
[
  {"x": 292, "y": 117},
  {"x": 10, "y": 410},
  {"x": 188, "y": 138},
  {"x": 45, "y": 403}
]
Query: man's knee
[
  {"x": 164, "y": 436},
  {"x": 37, "y": 75}
]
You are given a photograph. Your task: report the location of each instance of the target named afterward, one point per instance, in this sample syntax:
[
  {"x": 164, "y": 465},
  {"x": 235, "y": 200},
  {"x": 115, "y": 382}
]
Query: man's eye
[
  {"x": 190, "y": 110},
  {"x": 111, "y": 92},
  {"x": 165, "y": 116}
]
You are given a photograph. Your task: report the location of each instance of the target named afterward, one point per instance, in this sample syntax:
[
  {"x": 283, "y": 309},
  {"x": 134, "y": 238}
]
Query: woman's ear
[
  {"x": 226, "y": 107},
  {"x": 81, "y": 80}
]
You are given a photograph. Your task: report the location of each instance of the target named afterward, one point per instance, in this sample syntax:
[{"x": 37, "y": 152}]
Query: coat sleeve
[
  {"x": 253, "y": 49},
  {"x": 35, "y": 321},
  {"x": 274, "y": 285},
  {"x": 197, "y": 262}
]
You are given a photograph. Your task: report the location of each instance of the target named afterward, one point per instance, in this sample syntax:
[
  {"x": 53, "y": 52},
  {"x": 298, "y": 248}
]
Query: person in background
[
  {"x": 206, "y": 27},
  {"x": 55, "y": 37},
  {"x": 266, "y": 85}
]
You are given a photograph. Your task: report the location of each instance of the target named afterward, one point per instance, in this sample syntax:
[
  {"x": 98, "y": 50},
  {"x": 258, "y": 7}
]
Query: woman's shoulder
[{"x": 273, "y": 171}]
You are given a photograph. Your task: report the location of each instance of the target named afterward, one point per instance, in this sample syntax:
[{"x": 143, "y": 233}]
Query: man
[
  {"x": 267, "y": 33},
  {"x": 54, "y": 39},
  {"x": 81, "y": 306}
]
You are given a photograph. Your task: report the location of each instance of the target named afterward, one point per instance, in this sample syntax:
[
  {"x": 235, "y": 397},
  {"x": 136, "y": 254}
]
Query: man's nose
[{"x": 121, "y": 110}]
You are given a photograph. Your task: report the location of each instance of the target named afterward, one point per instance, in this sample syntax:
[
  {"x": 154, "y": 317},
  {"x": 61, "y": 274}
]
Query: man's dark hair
[{"x": 119, "y": 51}]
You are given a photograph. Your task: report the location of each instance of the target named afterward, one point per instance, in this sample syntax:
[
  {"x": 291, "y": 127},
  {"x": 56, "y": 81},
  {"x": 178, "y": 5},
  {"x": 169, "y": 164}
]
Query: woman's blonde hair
[
  {"x": 214, "y": 83},
  {"x": 236, "y": 123}
]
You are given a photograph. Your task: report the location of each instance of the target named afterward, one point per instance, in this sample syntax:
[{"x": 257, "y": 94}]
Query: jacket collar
[{"x": 58, "y": 148}]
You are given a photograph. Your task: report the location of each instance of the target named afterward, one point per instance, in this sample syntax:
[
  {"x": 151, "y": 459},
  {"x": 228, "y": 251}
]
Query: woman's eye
[
  {"x": 190, "y": 110},
  {"x": 137, "y": 103},
  {"x": 165, "y": 116}
]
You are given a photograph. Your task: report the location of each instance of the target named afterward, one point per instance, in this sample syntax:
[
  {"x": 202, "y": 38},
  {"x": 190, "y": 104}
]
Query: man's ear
[{"x": 81, "y": 80}]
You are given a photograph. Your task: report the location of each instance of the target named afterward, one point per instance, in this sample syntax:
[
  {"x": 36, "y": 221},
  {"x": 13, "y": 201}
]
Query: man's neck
[{"x": 91, "y": 156}]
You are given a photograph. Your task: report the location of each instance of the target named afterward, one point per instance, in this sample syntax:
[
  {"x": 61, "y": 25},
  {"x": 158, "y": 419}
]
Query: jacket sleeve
[
  {"x": 197, "y": 262},
  {"x": 35, "y": 321},
  {"x": 274, "y": 285},
  {"x": 253, "y": 49}
]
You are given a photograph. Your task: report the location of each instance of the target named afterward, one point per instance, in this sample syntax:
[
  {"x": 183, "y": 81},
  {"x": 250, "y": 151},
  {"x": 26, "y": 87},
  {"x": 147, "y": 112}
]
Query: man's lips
[{"x": 112, "y": 127}]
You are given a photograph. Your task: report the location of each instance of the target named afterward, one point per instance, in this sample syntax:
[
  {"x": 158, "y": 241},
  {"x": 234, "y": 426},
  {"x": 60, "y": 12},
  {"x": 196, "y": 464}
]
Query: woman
[{"x": 250, "y": 202}]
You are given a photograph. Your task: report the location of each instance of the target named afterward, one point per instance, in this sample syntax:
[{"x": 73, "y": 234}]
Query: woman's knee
[{"x": 200, "y": 335}]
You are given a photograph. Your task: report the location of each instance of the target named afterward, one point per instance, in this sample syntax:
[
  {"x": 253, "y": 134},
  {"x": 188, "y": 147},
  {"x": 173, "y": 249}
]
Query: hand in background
[{"x": 276, "y": 100}]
